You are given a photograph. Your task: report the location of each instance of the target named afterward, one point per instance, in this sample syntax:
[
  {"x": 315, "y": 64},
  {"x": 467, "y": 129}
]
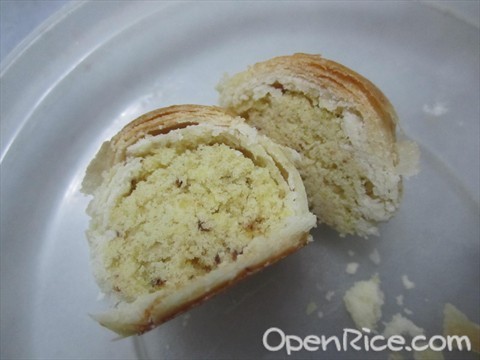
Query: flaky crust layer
[
  {"x": 340, "y": 80},
  {"x": 153, "y": 123}
]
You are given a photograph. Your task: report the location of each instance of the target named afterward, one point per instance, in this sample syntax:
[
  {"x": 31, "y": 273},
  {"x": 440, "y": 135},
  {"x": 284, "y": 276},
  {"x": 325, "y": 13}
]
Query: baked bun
[
  {"x": 341, "y": 124},
  {"x": 187, "y": 200}
]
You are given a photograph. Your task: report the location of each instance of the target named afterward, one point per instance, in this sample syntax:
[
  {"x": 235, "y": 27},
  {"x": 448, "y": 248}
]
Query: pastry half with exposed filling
[
  {"x": 343, "y": 126},
  {"x": 187, "y": 200}
]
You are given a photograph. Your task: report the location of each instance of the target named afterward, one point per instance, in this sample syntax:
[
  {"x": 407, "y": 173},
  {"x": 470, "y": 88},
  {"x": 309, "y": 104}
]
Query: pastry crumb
[
  {"x": 329, "y": 296},
  {"x": 400, "y": 325},
  {"x": 311, "y": 307},
  {"x": 408, "y": 311},
  {"x": 352, "y": 268},
  {"x": 364, "y": 301},
  {"x": 375, "y": 257},
  {"x": 457, "y": 323},
  {"x": 437, "y": 109},
  {"x": 407, "y": 283}
]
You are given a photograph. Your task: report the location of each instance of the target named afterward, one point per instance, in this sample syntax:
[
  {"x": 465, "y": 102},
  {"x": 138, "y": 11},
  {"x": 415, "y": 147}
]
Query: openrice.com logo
[{"x": 353, "y": 339}]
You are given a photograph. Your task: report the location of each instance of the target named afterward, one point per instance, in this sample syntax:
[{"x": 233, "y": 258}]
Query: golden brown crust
[
  {"x": 164, "y": 120},
  {"x": 344, "y": 82},
  {"x": 156, "y": 122},
  {"x": 152, "y": 318}
]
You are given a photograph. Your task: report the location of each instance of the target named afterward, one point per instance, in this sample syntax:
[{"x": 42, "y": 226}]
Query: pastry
[
  {"x": 343, "y": 126},
  {"x": 187, "y": 200}
]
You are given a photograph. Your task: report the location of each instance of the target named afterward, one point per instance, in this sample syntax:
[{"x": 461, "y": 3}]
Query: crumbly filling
[
  {"x": 294, "y": 120},
  {"x": 188, "y": 211}
]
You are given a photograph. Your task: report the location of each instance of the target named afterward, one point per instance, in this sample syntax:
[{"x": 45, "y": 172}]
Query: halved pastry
[
  {"x": 341, "y": 124},
  {"x": 187, "y": 200}
]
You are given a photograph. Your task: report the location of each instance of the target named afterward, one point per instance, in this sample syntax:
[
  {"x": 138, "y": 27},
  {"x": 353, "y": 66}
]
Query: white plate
[{"x": 98, "y": 65}]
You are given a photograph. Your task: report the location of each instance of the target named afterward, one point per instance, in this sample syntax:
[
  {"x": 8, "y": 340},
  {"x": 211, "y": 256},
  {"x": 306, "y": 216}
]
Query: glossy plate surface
[{"x": 98, "y": 65}]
